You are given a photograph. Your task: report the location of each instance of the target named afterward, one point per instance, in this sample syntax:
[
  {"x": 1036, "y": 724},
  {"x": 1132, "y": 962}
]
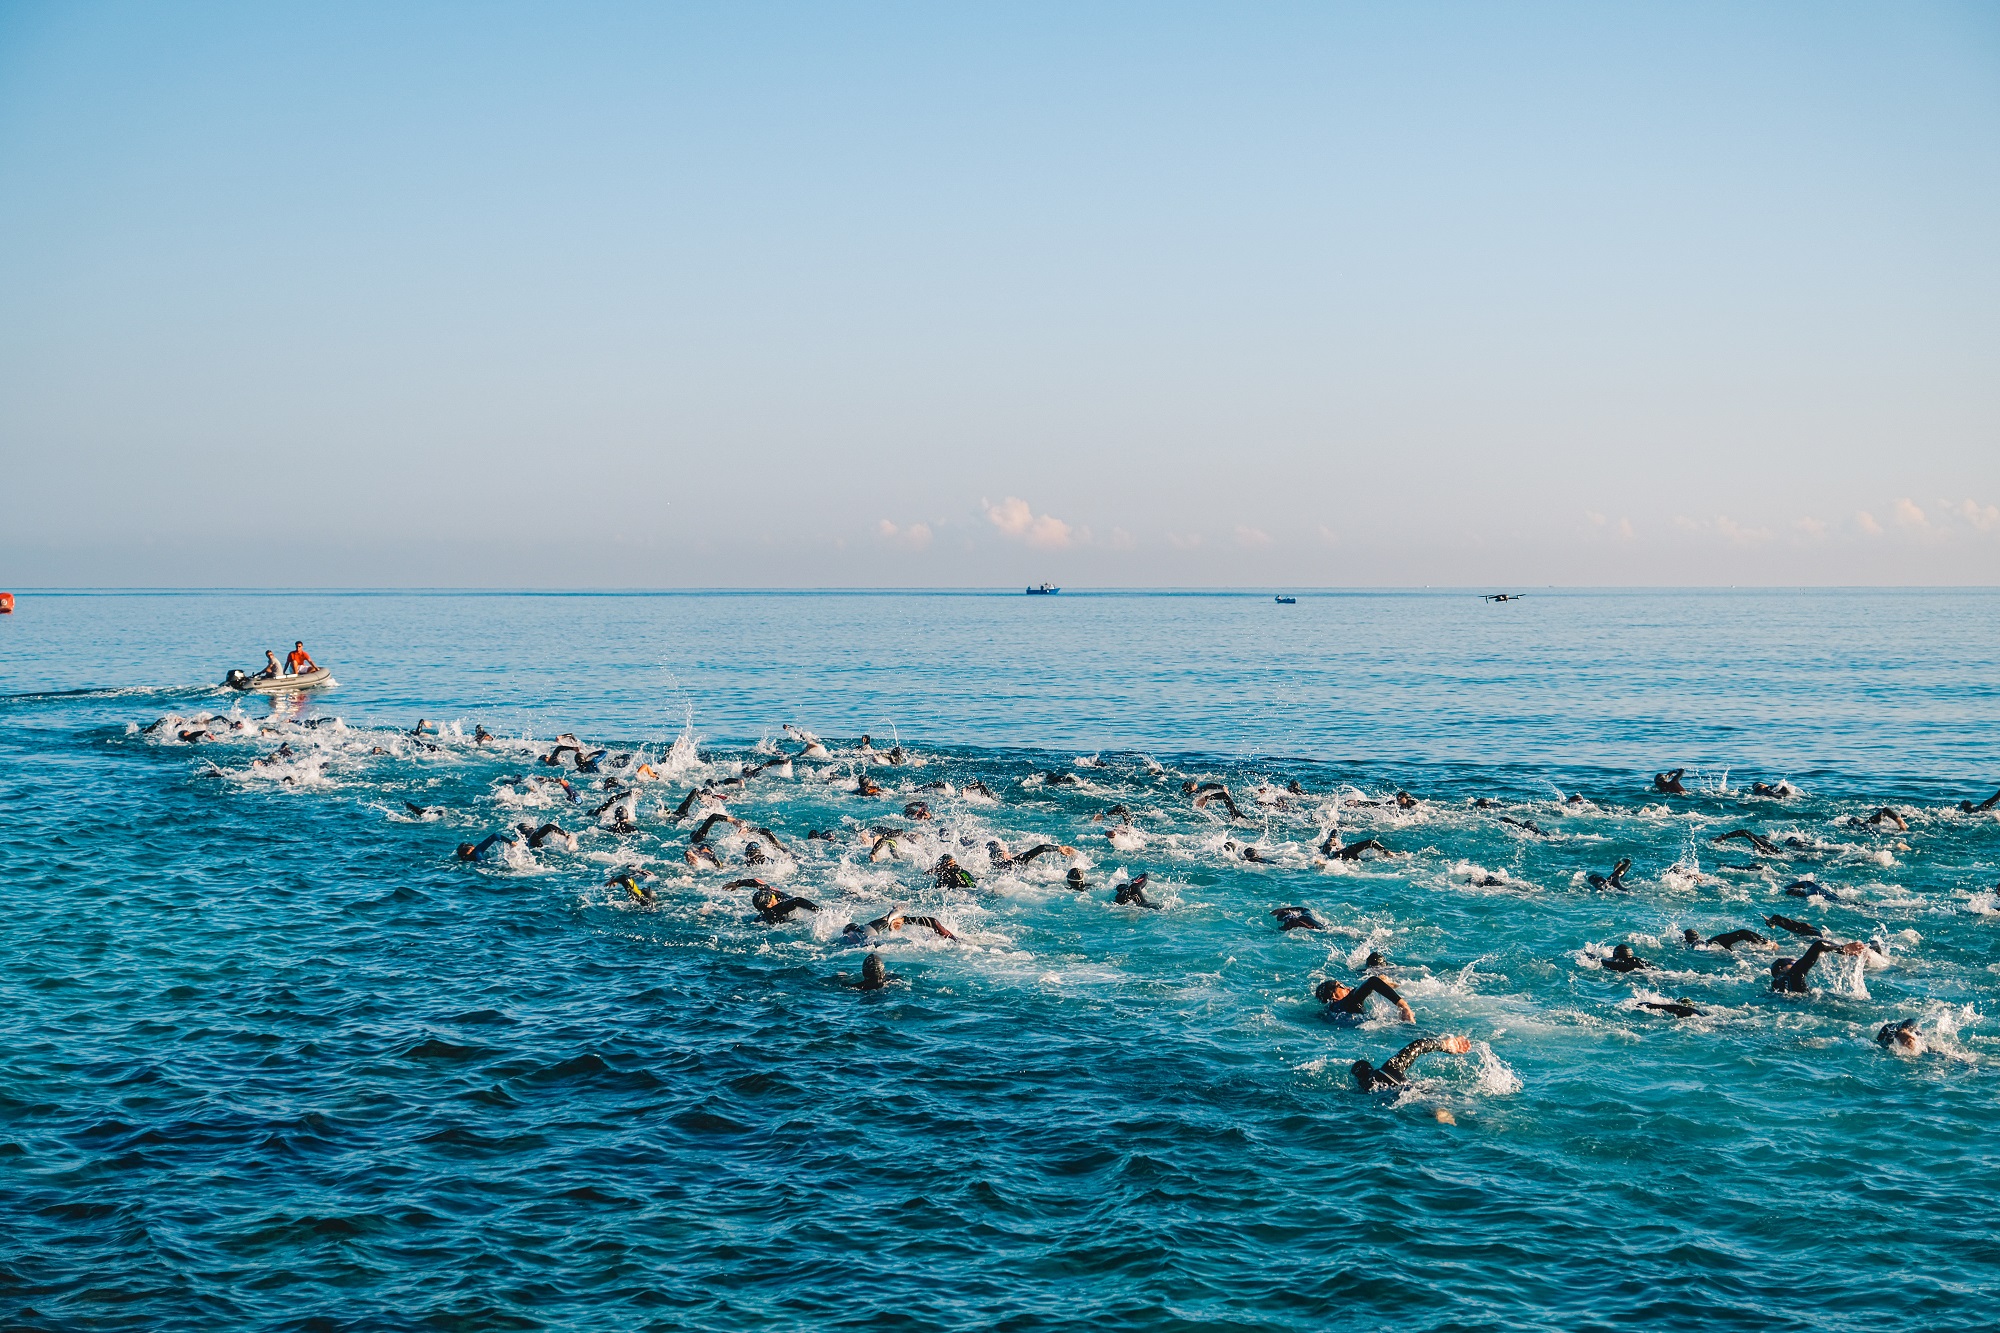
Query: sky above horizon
[{"x": 902, "y": 295}]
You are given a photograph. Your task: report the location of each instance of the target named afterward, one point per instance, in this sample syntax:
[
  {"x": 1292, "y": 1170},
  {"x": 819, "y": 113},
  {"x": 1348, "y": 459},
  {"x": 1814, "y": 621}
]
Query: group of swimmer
[{"x": 617, "y": 779}]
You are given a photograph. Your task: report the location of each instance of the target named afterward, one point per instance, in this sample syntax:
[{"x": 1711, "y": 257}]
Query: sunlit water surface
[{"x": 272, "y": 1058}]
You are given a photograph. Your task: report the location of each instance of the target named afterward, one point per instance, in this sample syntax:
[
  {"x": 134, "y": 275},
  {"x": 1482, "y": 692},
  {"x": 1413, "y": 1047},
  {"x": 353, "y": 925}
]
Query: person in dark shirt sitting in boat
[{"x": 298, "y": 661}]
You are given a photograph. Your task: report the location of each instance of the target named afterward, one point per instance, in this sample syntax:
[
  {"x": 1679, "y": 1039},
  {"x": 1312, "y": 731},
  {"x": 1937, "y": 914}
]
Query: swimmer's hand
[
  {"x": 1854, "y": 947},
  {"x": 1458, "y": 1045}
]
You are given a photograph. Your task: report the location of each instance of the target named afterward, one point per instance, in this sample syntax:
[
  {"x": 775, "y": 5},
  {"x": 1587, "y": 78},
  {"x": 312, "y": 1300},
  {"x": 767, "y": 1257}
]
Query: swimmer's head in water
[
  {"x": 1375, "y": 960},
  {"x": 1691, "y": 935},
  {"x": 1330, "y": 990},
  {"x": 1622, "y": 951},
  {"x": 466, "y": 851},
  {"x": 873, "y": 975}
]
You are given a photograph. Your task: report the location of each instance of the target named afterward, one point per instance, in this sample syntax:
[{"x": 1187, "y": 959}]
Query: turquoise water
[{"x": 271, "y": 1057}]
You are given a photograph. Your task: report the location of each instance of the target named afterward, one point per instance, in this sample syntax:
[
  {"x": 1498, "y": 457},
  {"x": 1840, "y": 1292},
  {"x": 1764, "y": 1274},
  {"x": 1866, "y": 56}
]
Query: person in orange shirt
[{"x": 298, "y": 662}]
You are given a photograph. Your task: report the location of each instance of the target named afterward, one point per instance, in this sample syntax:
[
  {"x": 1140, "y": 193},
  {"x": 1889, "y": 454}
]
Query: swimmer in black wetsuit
[
  {"x": 1075, "y": 881},
  {"x": 1622, "y": 959},
  {"x": 1670, "y": 782},
  {"x": 1297, "y": 918},
  {"x": 1527, "y": 824},
  {"x": 1789, "y": 975},
  {"x": 854, "y": 933},
  {"x": 1727, "y": 940},
  {"x": 916, "y": 810},
  {"x": 977, "y": 788},
  {"x": 424, "y": 811},
  {"x": 537, "y": 836},
  {"x": 1808, "y": 888},
  {"x": 1782, "y": 791},
  {"x": 1968, "y": 808},
  {"x": 481, "y": 736},
  {"x": 1903, "y": 1038},
  {"x": 1391, "y": 1074},
  {"x": 1678, "y": 1008},
  {"x": 699, "y": 854},
  {"x": 1209, "y": 792},
  {"x": 864, "y": 786},
  {"x": 1761, "y": 843},
  {"x": 1352, "y": 1000},
  {"x": 949, "y": 874},
  {"x": 1133, "y": 894},
  {"x": 874, "y": 976},
  {"x": 1886, "y": 815},
  {"x": 1330, "y": 847},
  {"x": 1795, "y": 927},
  {"x": 630, "y": 883},
  {"x": 468, "y": 852},
  {"x": 1614, "y": 880},
  {"x": 773, "y": 906}
]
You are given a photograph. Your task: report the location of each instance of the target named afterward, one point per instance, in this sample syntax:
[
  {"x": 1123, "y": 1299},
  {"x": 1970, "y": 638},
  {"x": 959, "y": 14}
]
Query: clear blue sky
[{"x": 660, "y": 295}]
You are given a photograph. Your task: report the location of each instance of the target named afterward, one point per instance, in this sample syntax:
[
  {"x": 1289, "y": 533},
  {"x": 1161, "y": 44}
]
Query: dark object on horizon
[
  {"x": 1502, "y": 596},
  {"x": 1287, "y": 601},
  {"x": 1046, "y": 590}
]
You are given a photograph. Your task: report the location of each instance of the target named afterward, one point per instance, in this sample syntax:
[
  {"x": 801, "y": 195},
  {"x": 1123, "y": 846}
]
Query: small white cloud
[
  {"x": 1907, "y": 514},
  {"x": 1809, "y": 528},
  {"x": 915, "y": 537},
  {"x": 1984, "y": 517},
  {"x": 1015, "y": 519},
  {"x": 1252, "y": 539},
  {"x": 1180, "y": 543},
  {"x": 1866, "y": 522}
]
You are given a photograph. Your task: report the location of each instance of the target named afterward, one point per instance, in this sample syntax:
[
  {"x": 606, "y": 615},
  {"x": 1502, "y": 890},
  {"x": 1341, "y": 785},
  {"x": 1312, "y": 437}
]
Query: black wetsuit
[
  {"x": 1297, "y": 918},
  {"x": 1391, "y": 1073},
  {"x": 1761, "y": 843},
  {"x": 776, "y": 907},
  {"x": 1134, "y": 894},
  {"x": 1790, "y": 975},
  {"x": 1356, "y": 999},
  {"x": 1730, "y": 939},
  {"x": 1622, "y": 959},
  {"x": 1614, "y": 880}
]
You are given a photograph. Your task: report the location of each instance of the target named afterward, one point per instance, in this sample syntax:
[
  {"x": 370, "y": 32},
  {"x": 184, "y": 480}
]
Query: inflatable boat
[{"x": 305, "y": 680}]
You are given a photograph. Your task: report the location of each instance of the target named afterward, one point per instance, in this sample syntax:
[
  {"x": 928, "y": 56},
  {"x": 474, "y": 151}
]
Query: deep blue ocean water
[{"x": 271, "y": 1057}]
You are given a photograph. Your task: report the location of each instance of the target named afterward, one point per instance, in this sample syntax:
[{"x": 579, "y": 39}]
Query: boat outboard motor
[{"x": 237, "y": 678}]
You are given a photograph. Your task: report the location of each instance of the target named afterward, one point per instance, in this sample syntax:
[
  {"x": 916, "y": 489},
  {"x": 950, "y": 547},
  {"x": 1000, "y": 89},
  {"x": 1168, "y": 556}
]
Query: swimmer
[
  {"x": 916, "y": 810},
  {"x": 468, "y": 852},
  {"x": 1795, "y": 927},
  {"x": 1902, "y": 1038},
  {"x": 699, "y": 854},
  {"x": 1614, "y": 880},
  {"x": 854, "y": 933},
  {"x": 874, "y": 976},
  {"x": 546, "y": 833},
  {"x": 1405, "y": 801},
  {"x": 1215, "y": 791},
  {"x": 866, "y": 786},
  {"x": 820, "y": 835},
  {"x": 424, "y": 811},
  {"x": 1353, "y": 999},
  {"x": 1391, "y": 1074},
  {"x": 1808, "y": 888},
  {"x": 630, "y": 883},
  {"x": 1885, "y": 815},
  {"x": 481, "y": 736},
  {"x": 707, "y": 825},
  {"x": 1043, "y": 849},
  {"x": 1133, "y": 894},
  {"x": 1968, "y": 808},
  {"x": 1488, "y": 881},
  {"x": 1075, "y": 881},
  {"x": 978, "y": 789},
  {"x": 687, "y": 805},
  {"x": 1678, "y": 1008},
  {"x": 1297, "y": 918},
  {"x": 1670, "y": 783},
  {"x": 423, "y": 725},
  {"x": 949, "y": 874},
  {"x": 1059, "y": 780},
  {"x": 1253, "y": 855},
  {"x": 1789, "y": 975},
  {"x": 1578, "y": 800},
  {"x": 773, "y": 906},
  {"x": 1727, "y": 940},
  {"x": 1782, "y": 791},
  {"x": 1330, "y": 847},
  {"x": 1761, "y": 843},
  {"x": 1527, "y": 824},
  {"x": 1622, "y": 959}
]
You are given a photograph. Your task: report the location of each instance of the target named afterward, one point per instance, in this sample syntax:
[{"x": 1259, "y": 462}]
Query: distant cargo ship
[{"x": 1046, "y": 590}]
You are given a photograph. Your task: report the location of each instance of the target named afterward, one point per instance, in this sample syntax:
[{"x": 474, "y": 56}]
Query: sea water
[{"x": 272, "y": 1057}]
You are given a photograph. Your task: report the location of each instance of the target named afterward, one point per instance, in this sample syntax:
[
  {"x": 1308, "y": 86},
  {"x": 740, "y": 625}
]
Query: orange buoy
[{"x": 6, "y": 602}]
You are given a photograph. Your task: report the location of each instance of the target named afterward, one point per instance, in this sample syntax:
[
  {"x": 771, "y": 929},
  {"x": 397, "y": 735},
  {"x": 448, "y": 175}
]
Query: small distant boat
[
  {"x": 1502, "y": 596},
  {"x": 1046, "y": 590},
  {"x": 1287, "y": 601},
  {"x": 305, "y": 680}
]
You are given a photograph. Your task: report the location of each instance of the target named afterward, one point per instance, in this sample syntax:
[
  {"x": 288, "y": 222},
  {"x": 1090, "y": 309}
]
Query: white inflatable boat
[{"x": 305, "y": 680}]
